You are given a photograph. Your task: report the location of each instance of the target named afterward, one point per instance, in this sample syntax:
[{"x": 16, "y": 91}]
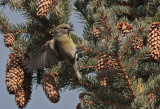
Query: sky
[{"x": 68, "y": 100}]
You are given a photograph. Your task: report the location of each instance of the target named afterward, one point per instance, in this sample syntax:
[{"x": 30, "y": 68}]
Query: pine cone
[
  {"x": 23, "y": 94},
  {"x": 13, "y": 61},
  {"x": 101, "y": 61},
  {"x": 96, "y": 32},
  {"x": 9, "y": 39},
  {"x": 137, "y": 44},
  {"x": 105, "y": 62},
  {"x": 106, "y": 82},
  {"x": 43, "y": 6},
  {"x": 14, "y": 73},
  {"x": 14, "y": 79},
  {"x": 153, "y": 39},
  {"x": 125, "y": 28},
  {"x": 50, "y": 88}
]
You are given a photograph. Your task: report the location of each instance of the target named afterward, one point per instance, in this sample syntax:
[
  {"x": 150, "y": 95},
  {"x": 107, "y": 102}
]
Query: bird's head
[{"x": 63, "y": 29}]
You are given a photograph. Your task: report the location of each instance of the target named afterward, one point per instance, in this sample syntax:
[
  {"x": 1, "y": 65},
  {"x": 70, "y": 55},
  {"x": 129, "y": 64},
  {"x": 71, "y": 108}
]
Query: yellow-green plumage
[
  {"x": 60, "y": 48},
  {"x": 66, "y": 47}
]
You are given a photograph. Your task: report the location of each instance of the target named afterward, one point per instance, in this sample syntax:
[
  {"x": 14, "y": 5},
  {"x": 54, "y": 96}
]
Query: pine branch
[
  {"x": 75, "y": 80},
  {"x": 155, "y": 90},
  {"x": 106, "y": 102},
  {"x": 131, "y": 65},
  {"x": 83, "y": 14},
  {"x": 126, "y": 76},
  {"x": 39, "y": 44},
  {"x": 18, "y": 50},
  {"x": 124, "y": 3},
  {"x": 4, "y": 26},
  {"x": 30, "y": 31},
  {"x": 81, "y": 6},
  {"x": 124, "y": 13},
  {"x": 96, "y": 52},
  {"x": 104, "y": 16},
  {"x": 83, "y": 94},
  {"x": 88, "y": 67},
  {"x": 98, "y": 3}
]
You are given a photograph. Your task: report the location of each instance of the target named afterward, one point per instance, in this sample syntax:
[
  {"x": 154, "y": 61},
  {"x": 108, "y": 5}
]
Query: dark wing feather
[{"x": 44, "y": 57}]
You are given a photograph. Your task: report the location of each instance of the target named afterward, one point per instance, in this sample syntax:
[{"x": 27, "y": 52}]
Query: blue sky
[{"x": 68, "y": 100}]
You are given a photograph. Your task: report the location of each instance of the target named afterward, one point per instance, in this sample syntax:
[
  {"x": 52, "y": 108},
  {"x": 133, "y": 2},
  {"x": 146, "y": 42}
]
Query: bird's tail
[{"x": 79, "y": 75}]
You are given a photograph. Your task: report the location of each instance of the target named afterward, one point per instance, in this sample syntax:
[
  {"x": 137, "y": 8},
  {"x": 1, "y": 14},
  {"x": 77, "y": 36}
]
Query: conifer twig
[
  {"x": 126, "y": 77},
  {"x": 83, "y": 14},
  {"x": 124, "y": 3},
  {"x": 98, "y": 3},
  {"x": 104, "y": 16},
  {"x": 155, "y": 90},
  {"x": 88, "y": 101},
  {"x": 89, "y": 67},
  {"x": 124, "y": 13},
  {"x": 75, "y": 80},
  {"x": 106, "y": 75},
  {"x": 84, "y": 94},
  {"x": 106, "y": 102},
  {"x": 40, "y": 44},
  {"x": 4, "y": 26},
  {"x": 138, "y": 59},
  {"x": 20, "y": 51},
  {"x": 97, "y": 52}
]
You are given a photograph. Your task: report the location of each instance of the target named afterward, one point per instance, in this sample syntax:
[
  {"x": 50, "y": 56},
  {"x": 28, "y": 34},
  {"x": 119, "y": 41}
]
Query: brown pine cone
[
  {"x": 14, "y": 79},
  {"x": 96, "y": 32},
  {"x": 9, "y": 40},
  {"x": 13, "y": 61},
  {"x": 43, "y": 6},
  {"x": 50, "y": 88},
  {"x": 125, "y": 28},
  {"x": 153, "y": 39},
  {"x": 106, "y": 62},
  {"x": 137, "y": 44},
  {"x": 23, "y": 94},
  {"x": 106, "y": 82},
  {"x": 14, "y": 73}
]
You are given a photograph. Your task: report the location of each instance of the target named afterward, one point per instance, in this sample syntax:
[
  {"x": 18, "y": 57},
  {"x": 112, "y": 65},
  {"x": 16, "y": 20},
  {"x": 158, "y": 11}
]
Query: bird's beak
[{"x": 70, "y": 29}]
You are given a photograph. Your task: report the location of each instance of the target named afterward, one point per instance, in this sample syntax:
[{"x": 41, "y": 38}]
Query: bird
[{"x": 60, "y": 48}]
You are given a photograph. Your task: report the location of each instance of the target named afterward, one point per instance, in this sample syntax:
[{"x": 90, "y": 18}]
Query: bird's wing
[{"x": 44, "y": 57}]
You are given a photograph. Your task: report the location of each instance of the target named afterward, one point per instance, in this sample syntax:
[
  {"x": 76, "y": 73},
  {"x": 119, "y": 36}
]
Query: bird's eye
[{"x": 65, "y": 27}]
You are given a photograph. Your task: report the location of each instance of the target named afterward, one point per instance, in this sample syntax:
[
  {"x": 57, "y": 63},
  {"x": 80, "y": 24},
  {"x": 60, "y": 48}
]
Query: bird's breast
[{"x": 66, "y": 46}]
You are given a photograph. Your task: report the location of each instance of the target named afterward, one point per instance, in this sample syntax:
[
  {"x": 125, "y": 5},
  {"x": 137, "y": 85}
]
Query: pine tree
[{"x": 118, "y": 54}]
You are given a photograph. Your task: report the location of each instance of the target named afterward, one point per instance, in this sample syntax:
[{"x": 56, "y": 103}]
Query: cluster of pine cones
[{"x": 19, "y": 82}]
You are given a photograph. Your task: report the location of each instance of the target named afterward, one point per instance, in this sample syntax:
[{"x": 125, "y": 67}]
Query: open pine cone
[{"x": 50, "y": 88}]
